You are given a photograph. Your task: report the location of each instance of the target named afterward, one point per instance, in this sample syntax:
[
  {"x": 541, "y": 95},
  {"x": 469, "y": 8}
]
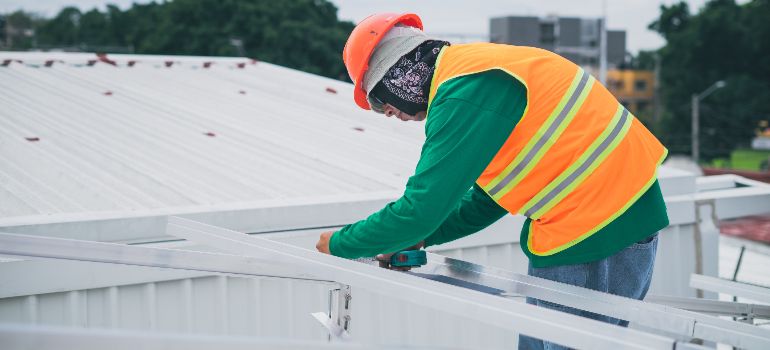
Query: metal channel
[
  {"x": 553, "y": 326},
  {"x": 713, "y": 307},
  {"x": 659, "y": 317},
  {"x": 25, "y": 337},
  {"x": 691, "y": 346},
  {"x": 488, "y": 280},
  {"x": 742, "y": 290},
  {"x": 69, "y": 249}
]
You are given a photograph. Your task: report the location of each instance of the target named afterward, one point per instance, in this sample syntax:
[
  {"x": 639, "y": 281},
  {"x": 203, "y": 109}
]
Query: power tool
[{"x": 409, "y": 258}]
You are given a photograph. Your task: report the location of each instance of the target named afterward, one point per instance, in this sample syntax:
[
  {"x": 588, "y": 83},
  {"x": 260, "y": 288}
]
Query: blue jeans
[{"x": 627, "y": 273}]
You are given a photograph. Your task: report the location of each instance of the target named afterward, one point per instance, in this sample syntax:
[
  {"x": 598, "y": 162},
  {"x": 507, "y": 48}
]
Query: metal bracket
[
  {"x": 342, "y": 310},
  {"x": 337, "y": 320}
]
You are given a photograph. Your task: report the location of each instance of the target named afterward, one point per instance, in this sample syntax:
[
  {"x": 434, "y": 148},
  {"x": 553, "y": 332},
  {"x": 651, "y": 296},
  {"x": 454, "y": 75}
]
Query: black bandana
[{"x": 406, "y": 85}]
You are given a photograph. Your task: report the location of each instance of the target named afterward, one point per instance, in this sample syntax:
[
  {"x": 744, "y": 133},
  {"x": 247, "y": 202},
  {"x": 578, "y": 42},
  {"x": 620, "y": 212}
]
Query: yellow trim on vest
[
  {"x": 603, "y": 223},
  {"x": 431, "y": 91},
  {"x": 434, "y": 91},
  {"x": 574, "y": 175},
  {"x": 544, "y": 138}
]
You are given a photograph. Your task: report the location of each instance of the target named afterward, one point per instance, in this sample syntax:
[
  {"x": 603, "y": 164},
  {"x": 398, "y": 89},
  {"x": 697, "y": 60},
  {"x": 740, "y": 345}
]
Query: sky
[{"x": 456, "y": 17}]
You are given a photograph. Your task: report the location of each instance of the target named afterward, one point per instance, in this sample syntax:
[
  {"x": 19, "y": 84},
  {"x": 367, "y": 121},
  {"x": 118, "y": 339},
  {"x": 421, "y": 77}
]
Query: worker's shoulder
[{"x": 493, "y": 90}]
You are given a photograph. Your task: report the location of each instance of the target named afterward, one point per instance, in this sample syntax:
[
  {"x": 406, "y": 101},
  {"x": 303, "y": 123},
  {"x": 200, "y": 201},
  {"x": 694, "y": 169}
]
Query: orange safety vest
[{"x": 576, "y": 160}]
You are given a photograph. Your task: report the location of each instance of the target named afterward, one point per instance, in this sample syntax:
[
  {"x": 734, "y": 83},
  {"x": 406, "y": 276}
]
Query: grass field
[{"x": 745, "y": 159}]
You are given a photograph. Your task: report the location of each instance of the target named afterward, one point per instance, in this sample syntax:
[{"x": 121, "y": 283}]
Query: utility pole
[
  {"x": 696, "y": 98},
  {"x": 656, "y": 91},
  {"x": 695, "y": 129},
  {"x": 603, "y": 45}
]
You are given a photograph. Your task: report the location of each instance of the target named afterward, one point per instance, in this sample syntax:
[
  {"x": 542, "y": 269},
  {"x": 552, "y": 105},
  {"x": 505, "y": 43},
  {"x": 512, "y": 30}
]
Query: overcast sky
[{"x": 454, "y": 16}]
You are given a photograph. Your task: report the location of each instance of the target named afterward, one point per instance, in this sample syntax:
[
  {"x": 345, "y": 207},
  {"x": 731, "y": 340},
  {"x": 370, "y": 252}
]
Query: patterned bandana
[{"x": 406, "y": 85}]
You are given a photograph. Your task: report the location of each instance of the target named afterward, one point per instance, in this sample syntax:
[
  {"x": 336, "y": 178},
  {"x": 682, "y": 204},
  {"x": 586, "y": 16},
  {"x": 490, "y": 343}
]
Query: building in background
[
  {"x": 577, "y": 39},
  {"x": 635, "y": 89}
]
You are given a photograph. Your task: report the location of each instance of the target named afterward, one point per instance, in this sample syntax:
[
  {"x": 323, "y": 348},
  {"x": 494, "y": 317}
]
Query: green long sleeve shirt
[{"x": 469, "y": 120}]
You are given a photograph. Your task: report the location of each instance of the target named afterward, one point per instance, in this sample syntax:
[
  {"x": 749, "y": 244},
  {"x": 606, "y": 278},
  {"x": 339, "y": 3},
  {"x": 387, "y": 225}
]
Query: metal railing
[{"x": 457, "y": 292}]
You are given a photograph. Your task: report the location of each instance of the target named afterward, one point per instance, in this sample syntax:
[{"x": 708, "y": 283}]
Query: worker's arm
[
  {"x": 449, "y": 164},
  {"x": 474, "y": 213},
  {"x": 462, "y": 137}
]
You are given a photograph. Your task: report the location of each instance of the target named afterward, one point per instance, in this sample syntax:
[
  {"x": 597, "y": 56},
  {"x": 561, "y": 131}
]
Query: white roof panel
[{"x": 79, "y": 138}]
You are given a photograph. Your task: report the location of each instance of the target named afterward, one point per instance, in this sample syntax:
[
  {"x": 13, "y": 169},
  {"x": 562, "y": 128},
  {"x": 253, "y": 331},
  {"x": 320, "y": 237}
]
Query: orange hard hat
[{"x": 361, "y": 43}]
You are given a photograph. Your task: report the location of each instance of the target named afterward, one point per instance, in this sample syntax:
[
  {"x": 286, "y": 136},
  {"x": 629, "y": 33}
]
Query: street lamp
[{"x": 696, "y": 98}]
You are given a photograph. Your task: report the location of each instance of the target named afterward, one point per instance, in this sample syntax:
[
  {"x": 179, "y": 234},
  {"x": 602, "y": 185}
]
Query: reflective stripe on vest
[
  {"x": 545, "y": 138},
  {"x": 574, "y": 175}
]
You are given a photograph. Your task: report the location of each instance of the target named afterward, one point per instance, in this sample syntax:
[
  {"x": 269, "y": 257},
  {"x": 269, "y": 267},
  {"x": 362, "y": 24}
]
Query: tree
[
  {"x": 301, "y": 34},
  {"x": 62, "y": 30},
  {"x": 724, "y": 41},
  {"x": 18, "y": 30}
]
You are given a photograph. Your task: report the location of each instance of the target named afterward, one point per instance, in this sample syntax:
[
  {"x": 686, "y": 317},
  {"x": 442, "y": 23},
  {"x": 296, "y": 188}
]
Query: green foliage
[
  {"x": 744, "y": 159},
  {"x": 724, "y": 41},
  {"x": 301, "y": 34},
  {"x": 748, "y": 159}
]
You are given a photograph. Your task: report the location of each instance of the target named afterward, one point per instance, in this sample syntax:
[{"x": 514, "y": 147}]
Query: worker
[{"x": 509, "y": 130}]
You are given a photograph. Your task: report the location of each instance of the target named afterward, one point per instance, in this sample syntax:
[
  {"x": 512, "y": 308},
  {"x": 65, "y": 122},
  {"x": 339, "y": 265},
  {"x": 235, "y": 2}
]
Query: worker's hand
[
  {"x": 323, "y": 242},
  {"x": 384, "y": 259}
]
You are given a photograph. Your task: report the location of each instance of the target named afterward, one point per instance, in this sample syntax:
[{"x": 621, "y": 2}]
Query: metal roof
[{"x": 81, "y": 134}]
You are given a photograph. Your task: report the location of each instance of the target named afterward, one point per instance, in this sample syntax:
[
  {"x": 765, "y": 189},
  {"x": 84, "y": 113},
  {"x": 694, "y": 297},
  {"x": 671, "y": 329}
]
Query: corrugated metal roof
[{"x": 87, "y": 138}]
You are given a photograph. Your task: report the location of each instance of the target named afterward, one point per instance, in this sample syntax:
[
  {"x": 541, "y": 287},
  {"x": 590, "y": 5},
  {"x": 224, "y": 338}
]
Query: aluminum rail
[
  {"x": 713, "y": 307},
  {"x": 69, "y": 249},
  {"x": 738, "y": 289},
  {"x": 660, "y": 317},
  {"x": 550, "y": 325},
  {"x": 494, "y": 281},
  {"x": 557, "y": 327},
  {"x": 25, "y": 337}
]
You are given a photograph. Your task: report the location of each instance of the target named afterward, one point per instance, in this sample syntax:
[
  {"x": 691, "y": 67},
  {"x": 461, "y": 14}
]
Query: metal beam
[
  {"x": 538, "y": 322},
  {"x": 68, "y": 249},
  {"x": 713, "y": 307},
  {"x": 67, "y": 275},
  {"x": 726, "y": 181},
  {"x": 527, "y": 319},
  {"x": 25, "y": 337},
  {"x": 741, "y": 290},
  {"x": 745, "y": 197},
  {"x": 654, "y": 316},
  {"x": 253, "y": 217},
  {"x": 266, "y": 215},
  {"x": 659, "y": 317}
]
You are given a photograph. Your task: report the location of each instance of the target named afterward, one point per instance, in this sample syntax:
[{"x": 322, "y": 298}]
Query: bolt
[{"x": 347, "y": 322}]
